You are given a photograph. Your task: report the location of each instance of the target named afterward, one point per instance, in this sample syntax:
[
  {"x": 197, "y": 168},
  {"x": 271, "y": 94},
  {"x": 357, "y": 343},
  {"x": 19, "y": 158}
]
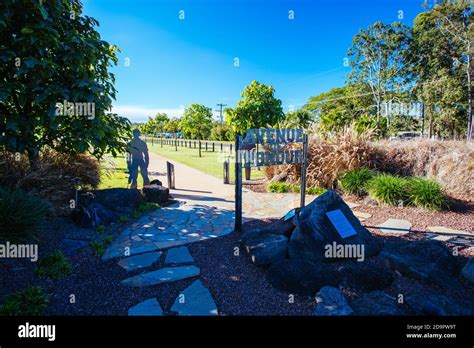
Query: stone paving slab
[
  {"x": 149, "y": 307},
  {"x": 362, "y": 216},
  {"x": 195, "y": 300},
  {"x": 163, "y": 275},
  {"x": 139, "y": 261},
  {"x": 178, "y": 255},
  {"x": 395, "y": 226},
  {"x": 446, "y": 230}
]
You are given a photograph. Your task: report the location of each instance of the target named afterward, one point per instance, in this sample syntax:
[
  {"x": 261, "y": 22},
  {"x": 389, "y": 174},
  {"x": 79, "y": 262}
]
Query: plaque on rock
[{"x": 341, "y": 224}]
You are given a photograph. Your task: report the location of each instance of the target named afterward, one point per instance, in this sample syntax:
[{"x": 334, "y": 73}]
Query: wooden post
[
  {"x": 303, "y": 170},
  {"x": 176, "y": 144},
  {"x": 206, "y": 146},
  {"x": 170, "y": 175},
  {"x": 221, "y": 147},
  {"x": 199, "y": 147},
  {"x": 238, "y": 185},
  {"x": 161, "y": 141},
  {"x": 226, "y": 172}
]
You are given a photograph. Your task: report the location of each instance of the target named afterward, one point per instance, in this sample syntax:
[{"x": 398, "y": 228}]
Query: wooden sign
[{"x": 267, "y": 147}]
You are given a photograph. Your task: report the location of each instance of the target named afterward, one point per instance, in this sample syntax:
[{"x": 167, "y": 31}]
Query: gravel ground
[{"x": 238, "y": 287}]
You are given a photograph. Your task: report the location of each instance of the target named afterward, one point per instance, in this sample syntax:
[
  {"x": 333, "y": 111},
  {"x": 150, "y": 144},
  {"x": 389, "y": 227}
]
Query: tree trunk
[{"x": 199, "y": 147}]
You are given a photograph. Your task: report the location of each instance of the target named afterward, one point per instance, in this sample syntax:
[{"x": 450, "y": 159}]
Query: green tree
[
  {"x": 441, "y": 67},
  {"x": 172, "y": 126},
  {"x": 257, "y": 108},
  {"x": 340, "y": 107},
  {"x": 221, "y": 132},
  {"x": 378, "y": 57},
  {"x": 299, "y": 118},
  {"x": 51, "y": 55},
  {"x": 159, "y": 121},
  {"x": 197, "y": 122}
]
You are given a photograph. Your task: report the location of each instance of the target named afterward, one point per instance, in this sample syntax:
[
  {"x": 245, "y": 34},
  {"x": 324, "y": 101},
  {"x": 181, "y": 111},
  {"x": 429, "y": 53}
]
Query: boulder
[
  {"x": 441, "y": 305},
  {"x": 156, "y": 194},
  {"x": 119, "y": 200},
  {"x": 468, "y": 271},
  {"x": 267, "y": 249},
  {"x": 365, "y": 277},
  {"x": 315, "y": 231},
  {"x": 301, "y": 277},
  {"x": 331, "y": 301},
  {"x": 377, "y": 303},
  {"x": 156, "y": 182},
  {"x": 428, "y": 260},
  {"x": 93, "y": 215}
]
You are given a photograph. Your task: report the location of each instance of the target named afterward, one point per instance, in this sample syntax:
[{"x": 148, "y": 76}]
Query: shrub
[
  {"x": 53, "y": 176},
  {"x": 99, "y": 246},
  {"x": 425, "y": 193},
  {"x": 388, "y": 189},
  {"x": 22, "y": 215},
  {"x": 450, "y": 163},
  {"x": 54, "y": 266},
  {"x": 31, "y": 301},
  {"x": 329, "y": 158},
  {"x": 315, "y": 191},
  {"x": 354, "y": 181},
  {"x": 279, "y": 187}
]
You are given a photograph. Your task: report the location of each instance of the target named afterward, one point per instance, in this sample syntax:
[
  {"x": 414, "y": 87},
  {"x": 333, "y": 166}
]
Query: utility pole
[{"x": 220, "y": 111}]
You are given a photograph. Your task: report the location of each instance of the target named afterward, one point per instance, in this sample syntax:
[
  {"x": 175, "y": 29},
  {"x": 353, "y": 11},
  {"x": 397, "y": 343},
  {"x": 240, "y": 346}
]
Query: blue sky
[{"x": 175, "y": 62}]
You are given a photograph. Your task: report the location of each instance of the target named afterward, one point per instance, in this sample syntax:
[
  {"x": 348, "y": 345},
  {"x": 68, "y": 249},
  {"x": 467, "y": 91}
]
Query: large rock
[
  {"x": 331, "y": 301},
  {"x": 365, "y": 276},
  {"x": 468, "y": 271},
  {"x": 377, "y": 303},
  {"x": 314, "y": 230},
  {"x": 428, "y": 260},
  {"x": 301, "y": 277},
  {"x": 93, "y": 215},
  {"x": 118, "y": 200},
  {"x": 428, "y": 304},
  {"x": 267, "y": 249},
  {"x": 156, "y": 194}
]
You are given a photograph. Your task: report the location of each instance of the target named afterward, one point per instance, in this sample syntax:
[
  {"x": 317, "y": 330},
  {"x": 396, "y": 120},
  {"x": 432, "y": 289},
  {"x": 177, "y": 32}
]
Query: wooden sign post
[{"x": 267, "y": 147}]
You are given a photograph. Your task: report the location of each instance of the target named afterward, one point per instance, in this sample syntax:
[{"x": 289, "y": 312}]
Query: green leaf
[{"x": 27, "y": 31}]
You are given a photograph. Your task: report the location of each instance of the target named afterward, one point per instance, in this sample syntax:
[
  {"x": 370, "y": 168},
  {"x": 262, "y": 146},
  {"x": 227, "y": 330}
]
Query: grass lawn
[
  {"x": 210, "y": 162},
  {"x": 114, "y": 173}
]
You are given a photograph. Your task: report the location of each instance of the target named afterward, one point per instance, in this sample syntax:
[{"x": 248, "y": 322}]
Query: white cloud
[
  {"x": 137, "y": 113},
  {"x": 140, "y": 114}
]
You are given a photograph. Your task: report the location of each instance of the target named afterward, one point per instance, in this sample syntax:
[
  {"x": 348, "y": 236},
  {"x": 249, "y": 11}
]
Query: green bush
[
  {"x": 146, "y": 206},
  {"x": 31, "y": 301},
  {"x": 279, "y": 187},
  {"x": 388, "y": 189},
  {"x": 21, "y": 215},
  {"x": 425, "y": 193},
  {"x": 315, "y": 191},
  {"x": 54, "y": 266},
  {"x": 354, "y": 182}
]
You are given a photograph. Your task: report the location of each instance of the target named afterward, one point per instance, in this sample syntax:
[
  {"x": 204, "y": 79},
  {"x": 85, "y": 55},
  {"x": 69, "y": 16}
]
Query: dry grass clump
[
  {"x": 53, "y": 177},
  {"x": 450, "y": 163},
  {"x": 329, "y": 158}
]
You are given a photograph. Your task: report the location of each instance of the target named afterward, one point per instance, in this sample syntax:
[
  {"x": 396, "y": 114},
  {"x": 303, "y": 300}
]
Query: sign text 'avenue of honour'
[{"x": 274, "y": 147}]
